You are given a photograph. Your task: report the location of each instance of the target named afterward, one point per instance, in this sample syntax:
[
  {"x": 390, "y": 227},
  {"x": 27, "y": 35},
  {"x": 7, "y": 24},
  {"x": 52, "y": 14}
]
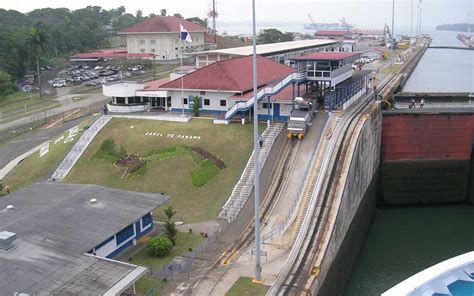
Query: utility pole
[
  {"x": 393, "y": 24},
  {"x": 256, "y": 167},
  {"x": 214, "y": 20},
  {"x": 421, "y": 15},
  {"x": 411, "y": 20}
]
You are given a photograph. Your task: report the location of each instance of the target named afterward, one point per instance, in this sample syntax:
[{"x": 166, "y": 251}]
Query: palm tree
[
  {"x": 36, "y": 42},
  {"x": 169, "y": 212}
]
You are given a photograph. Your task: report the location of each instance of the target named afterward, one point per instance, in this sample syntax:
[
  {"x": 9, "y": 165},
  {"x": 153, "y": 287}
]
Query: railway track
[
  {"x": 281, "y": 173},
  {"x": 300, "y": 264}
]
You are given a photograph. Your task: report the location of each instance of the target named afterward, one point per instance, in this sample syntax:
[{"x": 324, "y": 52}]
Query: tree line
[{"x": 29, "y": 40}]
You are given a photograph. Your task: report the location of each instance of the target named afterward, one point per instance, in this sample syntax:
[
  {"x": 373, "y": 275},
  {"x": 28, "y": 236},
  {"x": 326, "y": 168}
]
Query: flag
[{"x": 183, "y": 34}]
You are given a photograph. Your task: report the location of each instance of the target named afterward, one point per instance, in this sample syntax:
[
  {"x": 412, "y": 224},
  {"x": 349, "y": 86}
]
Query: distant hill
[{"x": 460, "y": 27}]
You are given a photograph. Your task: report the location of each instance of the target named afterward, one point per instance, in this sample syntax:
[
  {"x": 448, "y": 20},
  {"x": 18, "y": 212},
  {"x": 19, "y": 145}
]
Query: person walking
[
  {"x": 422, "y": 103},
  {"x": 260, "y": 141},
  {"x": 412, "y": 103}
]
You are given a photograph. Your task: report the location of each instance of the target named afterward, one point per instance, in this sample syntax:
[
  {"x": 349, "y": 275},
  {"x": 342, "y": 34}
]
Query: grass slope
[
  {"x": 244, "y": 287},
  {"x": 172, "y": 176},
  {"x": 35, "y": 168}
]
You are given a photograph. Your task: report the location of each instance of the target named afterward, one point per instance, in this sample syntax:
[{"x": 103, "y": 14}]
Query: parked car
[
  {"x": 59, "y": 83},
  {"x": 90, "y": 83}
]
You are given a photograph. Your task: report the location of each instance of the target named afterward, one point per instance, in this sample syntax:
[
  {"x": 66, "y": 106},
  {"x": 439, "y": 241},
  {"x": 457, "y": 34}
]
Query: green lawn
[
  {"x": 35, "y": 168},
  {"x": 184, "y": 241},
  {"x": 20, "y": 100},
  {"x": 172, "y": 176},
  {"x": 244, "y": 286}
]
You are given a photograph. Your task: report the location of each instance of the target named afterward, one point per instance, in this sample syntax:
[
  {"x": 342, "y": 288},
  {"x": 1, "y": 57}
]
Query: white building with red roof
[
  {"x": 159, "y": 36},
  {"x": 223, "y": 89}
]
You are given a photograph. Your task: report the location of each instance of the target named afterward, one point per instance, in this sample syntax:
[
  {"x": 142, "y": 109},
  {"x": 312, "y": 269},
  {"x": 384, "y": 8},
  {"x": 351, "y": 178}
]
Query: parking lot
[{"x": 94, "y": 76}]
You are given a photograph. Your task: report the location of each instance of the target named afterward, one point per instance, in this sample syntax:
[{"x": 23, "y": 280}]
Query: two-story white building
[{"x": 159, "y": 35}]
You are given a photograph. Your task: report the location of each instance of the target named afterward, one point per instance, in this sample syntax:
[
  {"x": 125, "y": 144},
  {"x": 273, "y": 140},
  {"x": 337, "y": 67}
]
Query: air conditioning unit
[{"x": 6, "y": 240}]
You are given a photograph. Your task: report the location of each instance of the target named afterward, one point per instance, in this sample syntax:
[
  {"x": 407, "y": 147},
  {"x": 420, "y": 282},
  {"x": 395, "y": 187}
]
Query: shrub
[
  {"x": 204, "y": 174},
  {"x": 196, "y": 106},
  {"x": 108, "y": 145},
  {"x": 105, "y": 156},
  {"x": 122, "y": 152},
  {"x": 159, "y": 246}
]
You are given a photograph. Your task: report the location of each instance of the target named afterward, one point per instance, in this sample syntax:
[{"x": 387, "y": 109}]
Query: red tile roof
[
  {"x": 329, "y": 55},
  {"x": 155, "y": 84},
  {"x": 163, "y": 24},
  {"x": 232, "y": 75},
  {"x": 287, "y": 93},
  {"x": 329, "y": 32}
]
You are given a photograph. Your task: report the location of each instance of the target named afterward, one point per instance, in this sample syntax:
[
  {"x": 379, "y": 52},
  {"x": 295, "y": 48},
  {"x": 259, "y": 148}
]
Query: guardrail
[
  {"x": 296, "y": 203},
  {"x": 262, "y": 93},
  {"x": 302, "y": 235}
]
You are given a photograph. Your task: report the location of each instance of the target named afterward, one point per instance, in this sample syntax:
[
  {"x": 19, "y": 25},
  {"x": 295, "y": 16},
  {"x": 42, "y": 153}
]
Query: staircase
[
  {"x": 244, "y": 186},
  {"x": 267, "y": 91},
  {"x": 71, "y": 158}
]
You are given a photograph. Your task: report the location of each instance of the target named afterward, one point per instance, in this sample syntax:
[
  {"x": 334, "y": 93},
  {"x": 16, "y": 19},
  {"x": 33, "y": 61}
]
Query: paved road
[
  {"x": 21, "y": 144},
  {"x": 91, "y": 100}
]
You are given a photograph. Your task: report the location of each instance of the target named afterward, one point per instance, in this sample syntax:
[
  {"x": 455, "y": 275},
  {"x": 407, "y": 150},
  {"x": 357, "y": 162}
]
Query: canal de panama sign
[{"x": 173, "y": 136}]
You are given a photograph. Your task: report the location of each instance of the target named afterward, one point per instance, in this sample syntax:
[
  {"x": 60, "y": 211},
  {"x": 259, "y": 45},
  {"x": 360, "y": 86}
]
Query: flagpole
[{"x": 182, "y": 74}]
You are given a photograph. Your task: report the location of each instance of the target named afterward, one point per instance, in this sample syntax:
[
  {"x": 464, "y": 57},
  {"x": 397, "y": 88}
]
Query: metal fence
[{"x": 46, "y": 117}]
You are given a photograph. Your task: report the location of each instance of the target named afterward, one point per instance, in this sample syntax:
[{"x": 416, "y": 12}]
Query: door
[{"x": 276, "y": 110}]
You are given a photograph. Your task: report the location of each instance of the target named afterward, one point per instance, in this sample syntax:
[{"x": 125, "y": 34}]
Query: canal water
[
  {"x": 443, "y": 70},
  {"x": 403, "y": 241}
]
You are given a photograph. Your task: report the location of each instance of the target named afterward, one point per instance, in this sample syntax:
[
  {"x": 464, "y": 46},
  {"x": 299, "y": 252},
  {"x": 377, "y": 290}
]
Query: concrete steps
[
  {"x": 73, "y": 156},
  {"x": 244, "y": 186}
]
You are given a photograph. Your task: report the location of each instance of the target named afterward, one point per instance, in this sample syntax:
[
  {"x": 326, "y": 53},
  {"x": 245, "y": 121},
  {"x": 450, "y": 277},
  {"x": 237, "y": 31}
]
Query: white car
[{"x": 60, "y": 83}]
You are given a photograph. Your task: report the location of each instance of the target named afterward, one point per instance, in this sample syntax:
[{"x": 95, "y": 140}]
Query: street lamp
[
  {"x": 393, "y": 23},
  {"x": 256, "y": 167}
]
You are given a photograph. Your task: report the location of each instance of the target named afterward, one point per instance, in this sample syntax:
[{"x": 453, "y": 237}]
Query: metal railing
[
  {"x": 296, "y": 203},
  {"x": 266, "y": 91}
]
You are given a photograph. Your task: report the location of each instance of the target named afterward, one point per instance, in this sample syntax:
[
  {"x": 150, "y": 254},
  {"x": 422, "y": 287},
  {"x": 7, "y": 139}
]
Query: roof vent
[
  {"x": 6, "y": 240},
  {"x": 11, "y": 207},
  {"x": 93, "y": 200}
]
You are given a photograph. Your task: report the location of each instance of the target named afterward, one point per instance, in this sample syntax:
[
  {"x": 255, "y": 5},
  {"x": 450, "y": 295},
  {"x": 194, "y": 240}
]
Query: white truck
[{"x": 301, "y": 117}]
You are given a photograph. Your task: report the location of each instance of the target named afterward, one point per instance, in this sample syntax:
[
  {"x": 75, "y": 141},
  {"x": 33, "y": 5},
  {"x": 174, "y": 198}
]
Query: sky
[{"x": 235, "y": 15}]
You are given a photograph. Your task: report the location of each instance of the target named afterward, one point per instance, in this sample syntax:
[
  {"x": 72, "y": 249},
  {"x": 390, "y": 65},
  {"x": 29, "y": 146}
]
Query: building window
[
  {"x": 202, "y": 93},
  {"x": 125, "y": 234},
  {"x": 142, "y": 50},
  {"x": 142, "y": 41},
  {"x": 153, "y": 41},
  {"x": 152, "y": 50},
  {"x": 266, "y": 106},
  {"x": 223, "y": 103},
  {"x": 207, "y": 102},
  {"x": 185, "y": 101}
]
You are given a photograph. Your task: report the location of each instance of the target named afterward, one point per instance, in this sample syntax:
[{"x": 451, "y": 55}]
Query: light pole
[
  {"x": 411, "y": 20},
  {"x": 393, "y": 24},
  {"x": 256, "y": 167}
]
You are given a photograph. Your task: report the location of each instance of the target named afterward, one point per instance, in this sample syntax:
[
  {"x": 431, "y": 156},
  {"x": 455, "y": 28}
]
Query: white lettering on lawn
[
  {"x": 176, "y": 136},
  {"x": 59, "y": 139},
  {"x": 44, "y": 149},
  {"x": 72, "y": 133}
]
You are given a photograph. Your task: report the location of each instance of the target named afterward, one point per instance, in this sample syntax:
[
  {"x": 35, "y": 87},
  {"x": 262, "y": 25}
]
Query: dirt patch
[
  {"x": 208, "y": 155},
  {"x": 131, "y": 163}
]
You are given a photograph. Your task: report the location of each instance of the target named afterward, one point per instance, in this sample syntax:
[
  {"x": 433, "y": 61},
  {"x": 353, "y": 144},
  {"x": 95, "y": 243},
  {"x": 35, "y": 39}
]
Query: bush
[
  {"x": 122, "y": 152},
  {"x": 105, "y": 156},
  {"x": 108, "y": 145},
  {"x": 196, "y": 106},
  {"x": 159, "y": 246},
  {"x": 204, "y": 174}
]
